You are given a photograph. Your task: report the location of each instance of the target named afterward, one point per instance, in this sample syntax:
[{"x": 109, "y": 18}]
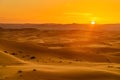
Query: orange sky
[{"x": 59, "y": 11}]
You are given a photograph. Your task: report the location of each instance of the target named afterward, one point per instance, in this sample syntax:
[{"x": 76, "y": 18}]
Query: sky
[{"x": 60, "y": 11}]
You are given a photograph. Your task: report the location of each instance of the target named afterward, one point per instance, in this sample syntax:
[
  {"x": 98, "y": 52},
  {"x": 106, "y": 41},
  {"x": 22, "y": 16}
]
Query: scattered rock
[
  {"x": 27, "y": 55},
  {"x": 20, "y": 75},
  {"x": 20, "y": 51},
  {"x": 23, "y": 57},
  {"x": 6, "y": 51},
  {"x": 20, "y": 71},
  {"x": 110, "y": 66},
  {"x": 69, "y": 62},
  {"x": 13, "y": 53},
  {"x": 33, "y": 57},
  {"x": 60, "y": 61},
  {"x": 118, "y": 67},
  {"x": 34, "y": 70},
  {"x": 76, "y": 60}
]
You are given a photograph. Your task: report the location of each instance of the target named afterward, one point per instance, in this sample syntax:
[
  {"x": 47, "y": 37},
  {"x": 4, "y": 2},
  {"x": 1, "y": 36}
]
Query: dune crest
[{"x": 7, "y": 59}]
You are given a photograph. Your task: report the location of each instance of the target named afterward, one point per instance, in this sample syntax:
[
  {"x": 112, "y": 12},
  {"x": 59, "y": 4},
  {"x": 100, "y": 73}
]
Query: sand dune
[
  {"x": 26, "y": 51},
  {"x": 29, "y": 60},
  {"x": 65, "y": 72},
  {"x": 76, "y": 74},
  {"x": 7, "y": 59},
  {"x": 53, "y": 71}
]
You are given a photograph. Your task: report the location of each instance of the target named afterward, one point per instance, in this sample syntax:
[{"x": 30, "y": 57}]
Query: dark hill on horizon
[{"x": 108, "y": 27}]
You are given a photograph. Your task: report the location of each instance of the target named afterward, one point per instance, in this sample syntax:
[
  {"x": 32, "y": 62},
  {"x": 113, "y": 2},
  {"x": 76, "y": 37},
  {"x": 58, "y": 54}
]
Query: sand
[
  {"x": 26, "y": 60},
  {"x": 17, "y": 68}
]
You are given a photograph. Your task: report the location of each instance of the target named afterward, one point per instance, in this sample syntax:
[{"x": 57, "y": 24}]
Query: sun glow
[{"x": 93, "y": 22}]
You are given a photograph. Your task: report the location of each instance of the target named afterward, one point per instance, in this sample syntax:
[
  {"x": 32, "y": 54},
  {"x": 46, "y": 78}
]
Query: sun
[{"x": 93, "y": 22}]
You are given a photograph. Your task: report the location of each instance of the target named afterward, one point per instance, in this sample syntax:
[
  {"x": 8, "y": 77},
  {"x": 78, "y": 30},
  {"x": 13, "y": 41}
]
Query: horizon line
[{"x": 63, "y": 23}]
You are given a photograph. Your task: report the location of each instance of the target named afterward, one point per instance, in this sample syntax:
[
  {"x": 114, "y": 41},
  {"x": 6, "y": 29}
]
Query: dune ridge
[{"x": 7, "y": 59}]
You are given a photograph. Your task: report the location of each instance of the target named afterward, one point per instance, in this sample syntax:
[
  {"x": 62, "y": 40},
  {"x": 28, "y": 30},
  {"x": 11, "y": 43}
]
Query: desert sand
[{"x": 57, "y": 55}]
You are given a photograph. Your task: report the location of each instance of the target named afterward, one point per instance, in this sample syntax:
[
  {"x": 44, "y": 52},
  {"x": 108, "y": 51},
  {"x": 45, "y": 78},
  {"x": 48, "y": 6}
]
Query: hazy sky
[{"x": 59, "y": 11}]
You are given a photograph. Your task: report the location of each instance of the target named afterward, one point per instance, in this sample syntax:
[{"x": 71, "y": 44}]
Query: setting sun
[{"x": 93, "y": 22}]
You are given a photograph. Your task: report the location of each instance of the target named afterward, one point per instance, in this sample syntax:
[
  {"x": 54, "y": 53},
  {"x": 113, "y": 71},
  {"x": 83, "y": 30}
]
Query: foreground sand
[
  {"x": 82, "y": 71},
  {"x": 12, "y": 68}
]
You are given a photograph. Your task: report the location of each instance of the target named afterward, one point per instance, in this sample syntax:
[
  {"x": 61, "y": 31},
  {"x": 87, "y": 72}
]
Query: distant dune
[{"x": 97, "y": 27}]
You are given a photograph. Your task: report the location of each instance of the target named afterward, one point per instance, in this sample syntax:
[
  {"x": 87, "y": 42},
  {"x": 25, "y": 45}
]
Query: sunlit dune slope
[
  {"x": 31, "y": 52},
  {"x": 47, "y": 72},
  {"x": 7, "y": 59}
]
